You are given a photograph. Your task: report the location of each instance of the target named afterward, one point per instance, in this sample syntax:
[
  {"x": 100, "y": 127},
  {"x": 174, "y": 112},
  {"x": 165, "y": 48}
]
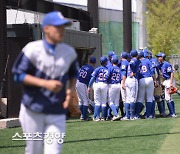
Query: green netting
[{"x": 112, "y": 36}]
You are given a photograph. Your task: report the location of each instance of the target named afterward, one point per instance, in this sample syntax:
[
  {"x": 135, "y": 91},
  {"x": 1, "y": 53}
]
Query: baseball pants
[
  {"x": 146, "y": 90},
  {"x": 33, "y": 122},
  {"x": 131, "y": 85},
  {"x": 100, "y": 93},
  {"x": 82, "y": 92},
  {"x": 114, "y": 94},
  {"x": 166, "y": 83}
]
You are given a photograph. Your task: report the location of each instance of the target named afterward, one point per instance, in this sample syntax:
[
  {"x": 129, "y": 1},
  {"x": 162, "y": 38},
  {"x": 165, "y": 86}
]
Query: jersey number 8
[{"x": 144, "y": 69}]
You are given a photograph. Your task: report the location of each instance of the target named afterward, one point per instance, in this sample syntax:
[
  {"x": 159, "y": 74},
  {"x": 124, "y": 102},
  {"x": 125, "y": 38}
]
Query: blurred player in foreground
[
  {"x": 81, "y": 86},
  {"x": 44, "y": 67}
]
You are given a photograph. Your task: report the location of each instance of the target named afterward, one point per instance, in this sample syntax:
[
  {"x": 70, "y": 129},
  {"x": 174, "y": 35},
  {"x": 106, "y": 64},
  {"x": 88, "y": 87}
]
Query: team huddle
[{"x": 125, "y": 84}]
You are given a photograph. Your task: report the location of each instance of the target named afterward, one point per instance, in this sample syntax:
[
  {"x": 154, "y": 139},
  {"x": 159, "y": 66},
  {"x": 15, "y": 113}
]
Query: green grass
[{"x": 161, "y": 135}]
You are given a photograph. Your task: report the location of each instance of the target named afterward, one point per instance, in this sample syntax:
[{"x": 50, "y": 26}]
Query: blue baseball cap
[
  {"x": 55, "y": 18},
  {"x": 146, "y": 52},
  {"x": 140, "y": 53},
  {"x": 92, "y": 60},
  {"x": 115, "y": 59},
  {"x": 161, "y": 54},
  {"x": 124, "y": 55},
  {"x": 103, "y": 59},
  {"x": 134, "y": 53},
  {"x": 111, "y": 53}
]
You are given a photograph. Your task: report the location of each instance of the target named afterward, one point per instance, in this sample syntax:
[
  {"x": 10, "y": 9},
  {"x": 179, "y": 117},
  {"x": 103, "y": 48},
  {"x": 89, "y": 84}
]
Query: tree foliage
[{"x": 163, "y": 26}]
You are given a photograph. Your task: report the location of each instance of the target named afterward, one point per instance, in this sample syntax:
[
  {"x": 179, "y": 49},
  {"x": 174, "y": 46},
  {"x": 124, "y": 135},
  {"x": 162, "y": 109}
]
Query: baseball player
[
  {"x": 114, "y": 87},
  {"x": 146, "y": 86},
  {"x": 43, "y": 67},
  {"x": 81, "y": 86},
  {"x": 158, "y": 88},
  {"x": 100, "y": 77},
  {"x": 131, "y": 86},
  {"x": 109, "y": 65},
  {"x": 124, "y": 70},
  {"x": 168, "y": 75}
]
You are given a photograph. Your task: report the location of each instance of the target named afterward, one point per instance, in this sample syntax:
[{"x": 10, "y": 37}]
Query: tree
[{"x": 163, "y": 26}]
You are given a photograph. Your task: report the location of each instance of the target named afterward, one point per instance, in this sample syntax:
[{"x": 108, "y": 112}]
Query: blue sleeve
[
  {"x": 132, "y": 66},
  {"x": 169, "y": 69},
  {"x": 124, "y": 69},
  {"x": 19, "y": 78},
  {"x": 74, "y": 70},
  {"x": 21, "y": 67},
  {"x": 95, "y": 73},
  {"x": 151, "y": 68},
  {"x": 91, "y": 81}
]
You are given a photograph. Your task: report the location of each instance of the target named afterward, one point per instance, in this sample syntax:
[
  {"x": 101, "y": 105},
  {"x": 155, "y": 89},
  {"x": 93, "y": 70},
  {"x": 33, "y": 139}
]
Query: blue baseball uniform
[
  {"x": 114, "y": 89},
  {"x": 131, "y": 85},
  {"x": 146, "y": 87},
  {"x": 84, "y": 77},
  {"x": 109, "y": 64},
  {"x": 166, "y": 70},
  {"x": 124, "y": 71},
  {"x": 100, "y": 76},
  {"x": 85, "y": 73}
]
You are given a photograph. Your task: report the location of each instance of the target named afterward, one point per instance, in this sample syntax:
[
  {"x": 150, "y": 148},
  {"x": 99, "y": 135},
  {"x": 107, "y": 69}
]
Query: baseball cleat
[
  {"x": 125, "y": 118},
  {"x": 116, "y": 118},
  {"x": 173, "y": 116},
  {"x": 96, "y": 119}
]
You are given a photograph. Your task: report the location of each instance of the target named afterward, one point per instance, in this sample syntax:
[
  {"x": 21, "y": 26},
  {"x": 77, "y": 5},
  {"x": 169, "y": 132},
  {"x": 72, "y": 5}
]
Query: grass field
[{"x": 160, "y": 135}]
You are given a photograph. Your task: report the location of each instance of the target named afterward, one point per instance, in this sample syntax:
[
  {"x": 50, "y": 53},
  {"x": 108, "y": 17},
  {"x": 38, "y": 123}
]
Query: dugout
[{"x": 18, "y": 35}]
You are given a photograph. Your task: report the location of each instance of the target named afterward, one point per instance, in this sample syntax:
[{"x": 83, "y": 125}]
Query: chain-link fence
[{"x": 175, "y": 62}]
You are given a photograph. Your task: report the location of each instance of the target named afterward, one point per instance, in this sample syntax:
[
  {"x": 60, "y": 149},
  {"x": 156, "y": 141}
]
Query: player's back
[
  {"x": 146, "y": 68},
  {"x": 115, "y": 75},
  {"x": 85, "y": 73},
  {"x": 101, "y": 74},
  {"x": 134, "y": 67},
  {"x": 154, "y": 62}
]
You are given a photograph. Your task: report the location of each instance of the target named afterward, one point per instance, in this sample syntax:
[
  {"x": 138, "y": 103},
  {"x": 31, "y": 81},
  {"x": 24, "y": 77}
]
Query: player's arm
[
  {"x": 94, "y": 75},
  {"x": 171, "y": 79},
  {"x": 132, "y": 66},
  {"x": 123, "y": 74},
  {"x": 152, "y": 69},
  {"x": 23, "y": 71},
  {"x": 170, "y": 70},
  {"x": 52, "y": 85}
]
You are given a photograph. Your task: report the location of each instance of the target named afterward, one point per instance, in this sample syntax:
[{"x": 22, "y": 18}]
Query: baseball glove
[{"x": 172, "y": 90}]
